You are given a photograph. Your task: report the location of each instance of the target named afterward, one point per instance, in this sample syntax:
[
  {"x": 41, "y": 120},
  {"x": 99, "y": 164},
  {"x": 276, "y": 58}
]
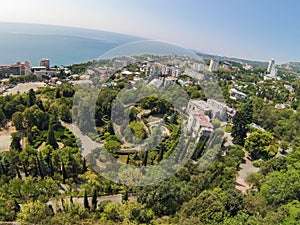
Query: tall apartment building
[
  {"x": 46, "y": 63},
  {"x": 214, "y": 65},
  {"x": 271, "y": 66},
  {"x": 272, "y": 72}
]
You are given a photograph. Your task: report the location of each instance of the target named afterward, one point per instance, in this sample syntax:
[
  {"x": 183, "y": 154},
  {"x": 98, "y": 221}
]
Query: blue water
[{"x": 62, "y": 45}]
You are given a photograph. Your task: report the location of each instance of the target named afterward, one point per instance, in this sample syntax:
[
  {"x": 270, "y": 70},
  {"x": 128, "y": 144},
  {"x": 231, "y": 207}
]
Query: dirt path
[
  {"x": 139, "y": 119},
  {"x": 5, "y": 136},
  {"x": 246, "y": 169},
  {"x": 87, "y": 143}
]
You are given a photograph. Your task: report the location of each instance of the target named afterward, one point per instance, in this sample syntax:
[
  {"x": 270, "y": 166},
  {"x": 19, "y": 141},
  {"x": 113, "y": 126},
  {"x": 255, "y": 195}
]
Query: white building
[
  {"x": 85, "y": 83},
  {"x": 199, "y": 105},
  {"x": 120, "y": 63},
  {"x": 126, "y": 73},
  {"x": 170, "y": 71},
  {"x": 272, "y": 72},
  {"x": 198, "y": 67},
  {"x": 154, "y": 69},
  {"x": 214, "y": 65},
  {"x": 248, "y": 67},
  {"x": 46, "y": 63},
  {"x": 199, "y": 124},
  {"x": 271, "y": 66},
  {"x": 211, "y": 108},
  {"x": 289, "y": 88},
  {"x": 47, "y": 73},
  {"x": 235, "y": 94},
  {"x": 257, "y": 127},
  {"x": 166, "y": 71},
  {"x": 176, "y": 72},
  {"x": 219, "y": 109}
]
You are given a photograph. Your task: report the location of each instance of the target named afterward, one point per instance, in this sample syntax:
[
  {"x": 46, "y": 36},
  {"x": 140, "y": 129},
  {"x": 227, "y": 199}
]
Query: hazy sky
[{"x": 254, "y": 29}]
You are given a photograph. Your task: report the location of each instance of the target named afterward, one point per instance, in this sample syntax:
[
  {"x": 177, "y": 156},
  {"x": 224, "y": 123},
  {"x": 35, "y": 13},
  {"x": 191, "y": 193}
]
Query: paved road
[{"x": 87, "y": 144}]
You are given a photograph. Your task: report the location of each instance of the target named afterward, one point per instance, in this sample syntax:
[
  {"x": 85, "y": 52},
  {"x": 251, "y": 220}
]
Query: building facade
[
  {"x": 212, "y": 108},
  {"x": 199, "y": 105},
  {"x": 199, "y": 125},
  {"x": 271, "y": 66},
  {"x": 214, "y": 65},
  {"x": 46, "y": 63},
  {"x": 19, "y": 68},
  {"x": 235, "y": 94}
]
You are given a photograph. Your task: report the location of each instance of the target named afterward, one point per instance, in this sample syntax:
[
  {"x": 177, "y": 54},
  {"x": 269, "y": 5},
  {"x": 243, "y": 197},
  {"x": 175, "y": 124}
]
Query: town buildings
[
  {"x": 170, "y": 71},
  {"x": 214, "y": 65},
  {"x": 198, "y": 67},
  {"x": 248, "y": 67},
  {"x": 19, "y": 68}
]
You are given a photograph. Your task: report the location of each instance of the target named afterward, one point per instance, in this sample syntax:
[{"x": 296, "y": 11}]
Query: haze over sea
[{"x": 62, "y": 45}]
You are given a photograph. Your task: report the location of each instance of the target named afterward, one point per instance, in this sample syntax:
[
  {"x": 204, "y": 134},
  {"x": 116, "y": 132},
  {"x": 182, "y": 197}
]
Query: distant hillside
[
  {"x": 244, "y": 61},
  {"x": 295, "y": 66}
]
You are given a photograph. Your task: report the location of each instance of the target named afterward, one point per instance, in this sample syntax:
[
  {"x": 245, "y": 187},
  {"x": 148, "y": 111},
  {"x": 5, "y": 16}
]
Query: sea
[
  {"x": 62, "y": 45},
  {"x": 70, "y": 45}
]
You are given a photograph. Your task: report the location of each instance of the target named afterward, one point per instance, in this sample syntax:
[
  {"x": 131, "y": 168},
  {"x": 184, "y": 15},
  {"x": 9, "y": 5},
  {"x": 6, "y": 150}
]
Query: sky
[{"x": 253, "y": 29}]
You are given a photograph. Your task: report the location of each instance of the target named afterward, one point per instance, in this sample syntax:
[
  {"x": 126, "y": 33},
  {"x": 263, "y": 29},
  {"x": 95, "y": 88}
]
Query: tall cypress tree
[
  {"x": 173, "y": 119},
  {"x": 43, "y": 165},
  {"x": 18, "y": 172},
  {"x": 40, "y": 104},
  {"x": 64, "y": 173},
  {"x": 29, "y": 136},
  {"x": 94, "y": 200},
  {"x": 128, "y": 159},
  {"x": 84, "y": 167},
  {"x": 50, "y": 166},
  {"x": 86, "y": 201},
  {"x": 161, "y": 153},
  {"x": 31, "y": 98},
  {"x": 145, "y": 159},
  {"x": 248, "y": 110},
  {"x": 57, "y": 94},
  {"x": 17, "y": 207},
  {"x": 239, "y": 130},
  {"x": 40, "y": 170},
  {"x": 51, "y": 140},
  {"x": 4, "y": 167}
]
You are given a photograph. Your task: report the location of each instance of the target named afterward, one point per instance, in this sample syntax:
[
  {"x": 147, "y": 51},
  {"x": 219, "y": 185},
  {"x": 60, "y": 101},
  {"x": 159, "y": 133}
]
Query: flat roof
[{"x": 202, "y": 119}]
